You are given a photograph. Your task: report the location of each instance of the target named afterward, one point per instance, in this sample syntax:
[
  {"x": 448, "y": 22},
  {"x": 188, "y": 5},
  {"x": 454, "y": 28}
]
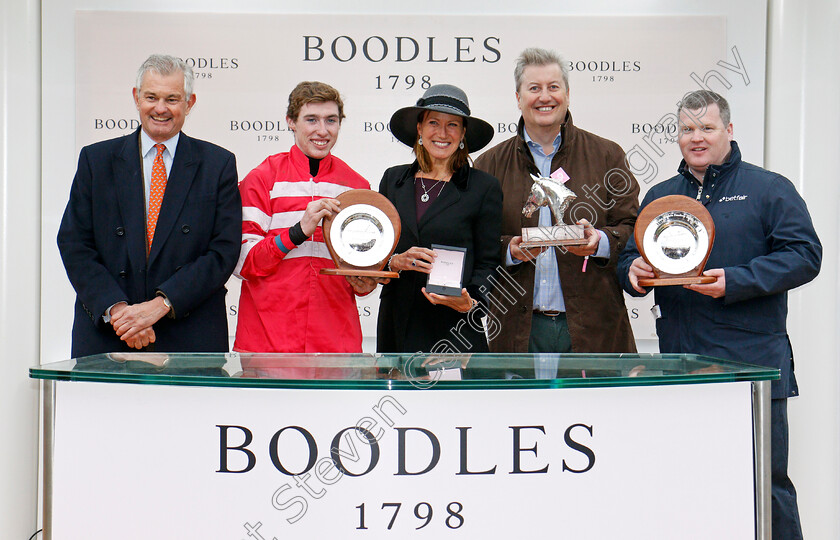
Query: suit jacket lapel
[
  {"x": 127, "y": 169},
  {"x": 184, "y": 168},
  {"x": 406, "y": 206}
]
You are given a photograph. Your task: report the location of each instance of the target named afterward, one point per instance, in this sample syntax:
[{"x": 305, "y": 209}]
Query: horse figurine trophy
[{"x": 547, "y": 191}]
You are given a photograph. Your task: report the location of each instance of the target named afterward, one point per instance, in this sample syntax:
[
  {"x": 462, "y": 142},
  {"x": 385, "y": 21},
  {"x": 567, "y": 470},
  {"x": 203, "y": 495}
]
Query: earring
[
  {"x": 461, "y": 146},
  {"x": 420, "y": 141}
]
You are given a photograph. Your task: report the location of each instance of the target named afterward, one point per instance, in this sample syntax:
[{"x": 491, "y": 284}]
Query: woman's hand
[
  {"x": 416, "y": 258},
  {"x": 461, "y": 304}
]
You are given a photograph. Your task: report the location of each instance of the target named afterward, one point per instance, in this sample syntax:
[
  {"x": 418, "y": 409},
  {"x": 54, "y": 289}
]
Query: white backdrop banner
[
  {"x": 627, "y": 74},
  {"x": 646, "y": 463}
]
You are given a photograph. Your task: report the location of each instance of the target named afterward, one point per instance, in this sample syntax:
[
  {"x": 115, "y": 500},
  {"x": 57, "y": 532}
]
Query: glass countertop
[{"x": 402, "y": 371}]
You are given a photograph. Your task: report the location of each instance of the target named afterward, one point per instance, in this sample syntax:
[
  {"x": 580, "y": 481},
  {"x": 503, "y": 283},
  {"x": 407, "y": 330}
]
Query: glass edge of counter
[{"x": 390, "y": 384}]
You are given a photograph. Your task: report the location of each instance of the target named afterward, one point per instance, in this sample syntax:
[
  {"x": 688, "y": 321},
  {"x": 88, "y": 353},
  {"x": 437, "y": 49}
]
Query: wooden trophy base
[
  {"x": 677, "y": 280},
  {"x": 557, "y": 235},
  {"x": 358, "y": 272}
]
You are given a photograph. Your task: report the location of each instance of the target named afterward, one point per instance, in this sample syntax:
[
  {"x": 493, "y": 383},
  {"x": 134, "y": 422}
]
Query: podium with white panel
[{"x": 265, "y": 446}]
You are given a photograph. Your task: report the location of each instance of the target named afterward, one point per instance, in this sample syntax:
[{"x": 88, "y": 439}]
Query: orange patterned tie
[{"x": 155, "y": 195}]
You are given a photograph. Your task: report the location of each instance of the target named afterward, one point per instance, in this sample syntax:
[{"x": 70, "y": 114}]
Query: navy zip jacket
[{"x": 766, "y": 244}]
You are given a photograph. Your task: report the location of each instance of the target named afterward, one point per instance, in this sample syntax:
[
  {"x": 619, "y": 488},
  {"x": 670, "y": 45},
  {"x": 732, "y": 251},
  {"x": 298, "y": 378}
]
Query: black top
[{"x": 466, "y": 214}]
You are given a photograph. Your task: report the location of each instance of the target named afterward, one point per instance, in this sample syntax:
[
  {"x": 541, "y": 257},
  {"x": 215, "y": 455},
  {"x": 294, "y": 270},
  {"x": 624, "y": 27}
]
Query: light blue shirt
[
  {"x": 148, "y": 151},
  {"x": 548, "y": 293}
]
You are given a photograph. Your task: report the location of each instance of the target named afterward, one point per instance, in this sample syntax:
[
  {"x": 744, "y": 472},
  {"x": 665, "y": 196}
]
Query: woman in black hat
[{"x": 442, "y": 200}]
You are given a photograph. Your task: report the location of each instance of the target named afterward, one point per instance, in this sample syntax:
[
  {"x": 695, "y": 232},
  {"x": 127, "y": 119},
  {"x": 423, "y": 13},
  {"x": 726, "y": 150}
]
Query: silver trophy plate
[
  {"x": 362, "y": 235},
  {"x": 676, "y": 242}
]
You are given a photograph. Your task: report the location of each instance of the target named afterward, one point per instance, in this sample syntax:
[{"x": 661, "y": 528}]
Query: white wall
[
  {"x": 803, "y": 112},
  {"x": 803, "y": 85},
  {"x": 20, "y": 225}
]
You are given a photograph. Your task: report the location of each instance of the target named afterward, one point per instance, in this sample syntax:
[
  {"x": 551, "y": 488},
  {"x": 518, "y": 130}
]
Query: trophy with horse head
[{"x": 547, "y": 191}]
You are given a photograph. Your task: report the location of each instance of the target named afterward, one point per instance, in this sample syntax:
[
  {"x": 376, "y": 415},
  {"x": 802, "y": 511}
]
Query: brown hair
[
  {"x": 456, "y": 160},
  {"x": 313, "y": 92},
  {"x": 701, "y": 99}
]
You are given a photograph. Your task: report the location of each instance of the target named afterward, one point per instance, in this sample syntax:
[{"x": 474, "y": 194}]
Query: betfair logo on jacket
[{"x": 733, "y": 198}]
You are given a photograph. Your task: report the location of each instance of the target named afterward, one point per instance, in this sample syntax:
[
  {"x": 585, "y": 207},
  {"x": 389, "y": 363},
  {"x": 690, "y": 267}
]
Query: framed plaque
[
  {"x": 363, "y": 235},
  {"x": 446, "y": 277},
  {"x": 675, "y": 234}
]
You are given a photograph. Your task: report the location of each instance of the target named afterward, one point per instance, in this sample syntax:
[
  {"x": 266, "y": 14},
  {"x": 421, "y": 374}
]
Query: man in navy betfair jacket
[{"x": 764, "y": 245}]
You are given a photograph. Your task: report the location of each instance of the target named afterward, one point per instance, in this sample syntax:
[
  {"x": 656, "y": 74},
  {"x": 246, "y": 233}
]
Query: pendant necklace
[{"x": 425, "y": 196}]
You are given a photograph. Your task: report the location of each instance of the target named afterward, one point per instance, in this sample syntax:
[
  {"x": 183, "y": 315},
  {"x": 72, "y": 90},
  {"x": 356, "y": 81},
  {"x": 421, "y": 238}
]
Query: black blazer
[
  {"x": 468, "y": 214},
  {"x": 196, "y": 245}
]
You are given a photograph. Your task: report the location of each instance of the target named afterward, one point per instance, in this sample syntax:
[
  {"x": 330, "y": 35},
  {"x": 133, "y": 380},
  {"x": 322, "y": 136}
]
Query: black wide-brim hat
[{"x": 447, "y": 99}]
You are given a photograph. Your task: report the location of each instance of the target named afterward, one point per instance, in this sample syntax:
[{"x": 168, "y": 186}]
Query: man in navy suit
[{"x": 150, "y": 273}]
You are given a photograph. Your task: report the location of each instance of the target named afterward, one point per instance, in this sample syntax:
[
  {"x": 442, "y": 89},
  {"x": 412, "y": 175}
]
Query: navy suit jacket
[{"x": 195, "y": 248}]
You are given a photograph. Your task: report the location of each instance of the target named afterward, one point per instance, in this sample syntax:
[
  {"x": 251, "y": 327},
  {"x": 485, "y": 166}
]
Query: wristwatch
[{"x": 168, "y": 304}]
